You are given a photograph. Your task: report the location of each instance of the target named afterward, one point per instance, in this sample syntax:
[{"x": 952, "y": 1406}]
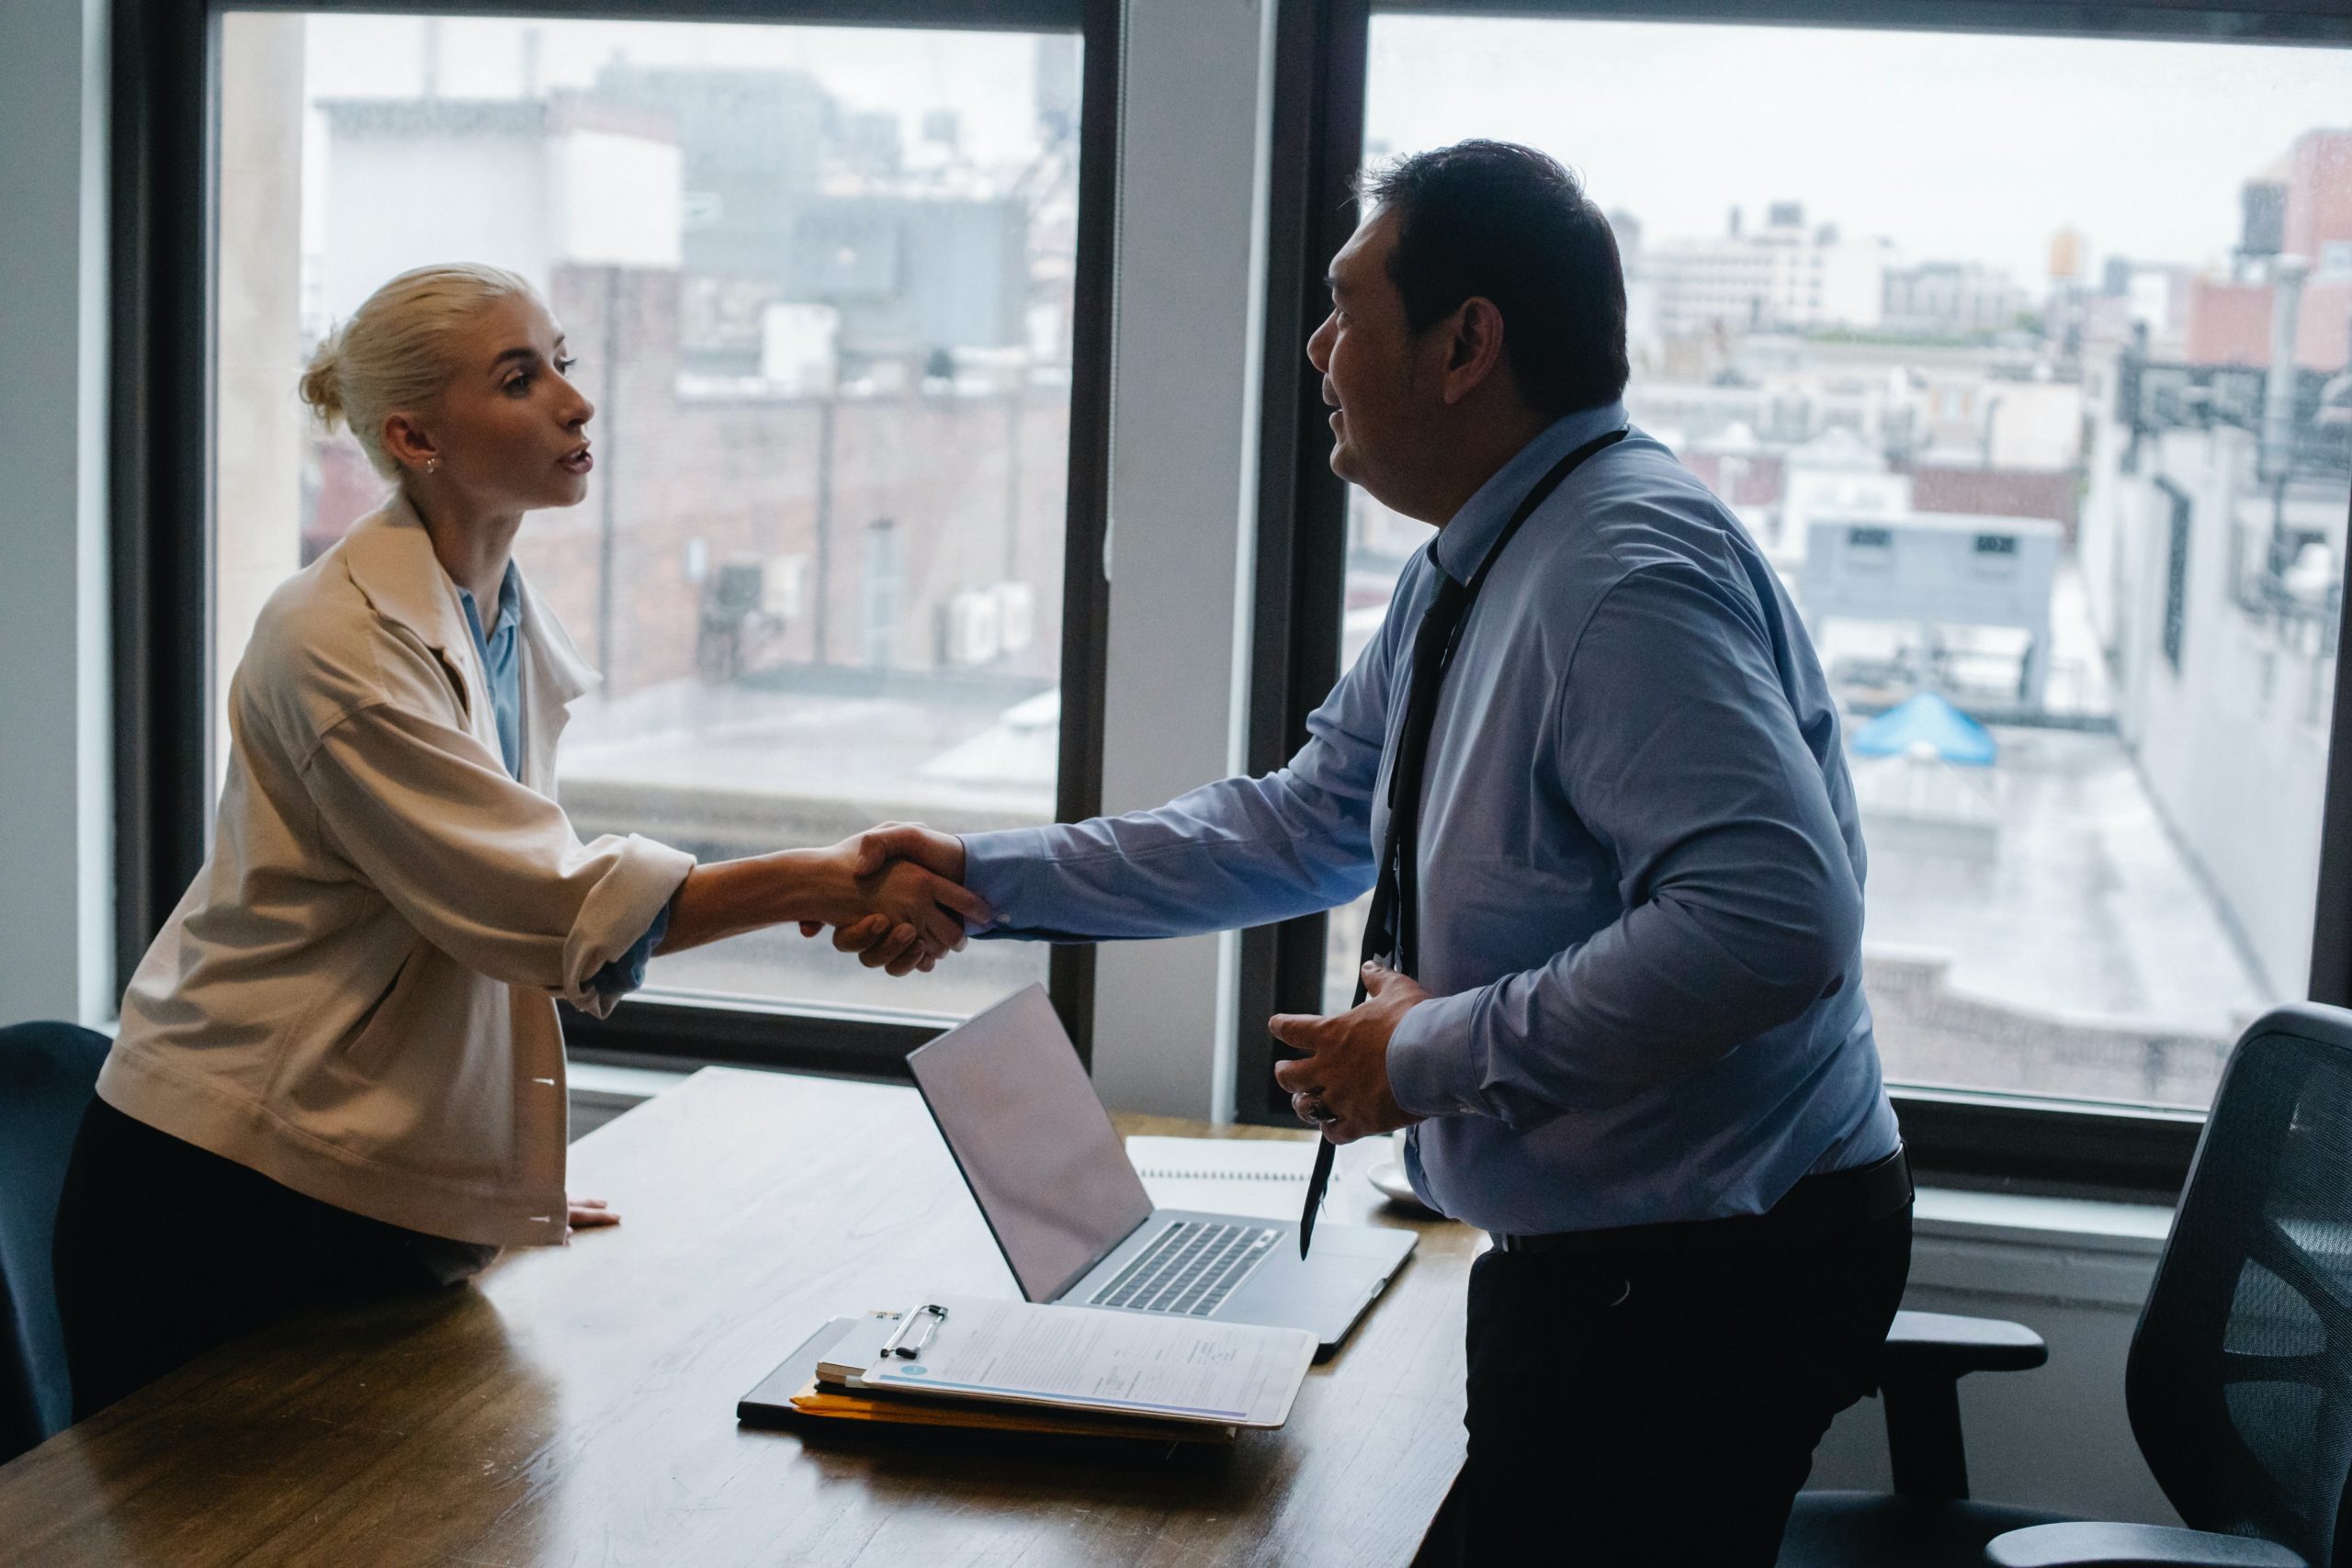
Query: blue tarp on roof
[{"x": 1930, "y": 721}]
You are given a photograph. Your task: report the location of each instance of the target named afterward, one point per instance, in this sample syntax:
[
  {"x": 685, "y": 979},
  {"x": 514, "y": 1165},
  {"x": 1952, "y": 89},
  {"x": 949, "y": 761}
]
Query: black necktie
[{"x": 1388, "y": 929}]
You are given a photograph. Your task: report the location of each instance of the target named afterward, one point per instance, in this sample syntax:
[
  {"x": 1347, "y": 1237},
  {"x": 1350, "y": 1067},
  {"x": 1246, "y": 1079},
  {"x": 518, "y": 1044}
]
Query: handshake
[{"x": 897, "y": 898}]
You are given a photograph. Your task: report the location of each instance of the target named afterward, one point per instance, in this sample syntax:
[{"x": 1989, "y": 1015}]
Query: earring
[{"x": 432, "y": 465}]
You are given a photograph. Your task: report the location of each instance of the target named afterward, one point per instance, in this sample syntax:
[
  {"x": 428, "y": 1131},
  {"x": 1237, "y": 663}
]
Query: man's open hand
[{"x": 1341, "y": 1084}]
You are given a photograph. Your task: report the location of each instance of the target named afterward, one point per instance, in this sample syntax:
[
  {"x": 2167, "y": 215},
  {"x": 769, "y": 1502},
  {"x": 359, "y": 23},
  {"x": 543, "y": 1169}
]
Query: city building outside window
[{"x": 2055, "y": 460}]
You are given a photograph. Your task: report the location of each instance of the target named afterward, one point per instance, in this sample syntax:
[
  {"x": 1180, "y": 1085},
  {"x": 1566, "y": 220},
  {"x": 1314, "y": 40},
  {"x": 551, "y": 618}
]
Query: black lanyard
[{"x": 1389, "y": 930}]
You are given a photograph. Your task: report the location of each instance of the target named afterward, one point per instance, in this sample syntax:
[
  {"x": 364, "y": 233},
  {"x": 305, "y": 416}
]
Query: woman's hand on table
[{"x": 588, "y": 1213}]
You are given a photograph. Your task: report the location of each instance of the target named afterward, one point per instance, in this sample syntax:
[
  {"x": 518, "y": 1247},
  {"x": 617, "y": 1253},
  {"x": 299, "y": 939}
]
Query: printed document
[{"x": 1230, "y": 1374}]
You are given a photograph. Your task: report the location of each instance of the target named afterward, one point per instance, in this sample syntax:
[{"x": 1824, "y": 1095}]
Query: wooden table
[{"x": 578, "y": 1406}]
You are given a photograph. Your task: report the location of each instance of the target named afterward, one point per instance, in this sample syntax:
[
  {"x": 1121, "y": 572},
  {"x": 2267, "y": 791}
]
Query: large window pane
[
  {"x": 818, "y": 284},
  {"x": 2026, "y": 362}
]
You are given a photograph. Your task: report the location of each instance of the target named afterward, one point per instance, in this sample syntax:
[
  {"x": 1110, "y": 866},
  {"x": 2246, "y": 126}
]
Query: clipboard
[
  {"x": 794, "y": 1396},
  {"x": 1155, "y": 1366}
]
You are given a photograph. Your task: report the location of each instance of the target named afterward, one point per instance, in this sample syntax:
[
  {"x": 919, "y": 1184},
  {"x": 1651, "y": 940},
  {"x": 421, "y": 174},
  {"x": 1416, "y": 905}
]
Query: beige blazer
[{"x": 356, "y": 995}]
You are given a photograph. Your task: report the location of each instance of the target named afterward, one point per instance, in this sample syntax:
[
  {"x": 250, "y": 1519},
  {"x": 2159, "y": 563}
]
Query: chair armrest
[
  {"x": 1936, "y": 1344},
  {"x": 2131, "y": 1546},
  {"x": 1926, "y": 1356}
]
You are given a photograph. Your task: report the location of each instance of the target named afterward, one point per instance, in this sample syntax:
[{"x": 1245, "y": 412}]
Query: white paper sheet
[
  {"x": 1228, "y": 1374},
  {"x": 1262, "y": 1177}
]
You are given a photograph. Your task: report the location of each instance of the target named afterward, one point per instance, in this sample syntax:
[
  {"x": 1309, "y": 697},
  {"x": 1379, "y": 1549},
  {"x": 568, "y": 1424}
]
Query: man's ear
[{"x": 1475, "y": 346}]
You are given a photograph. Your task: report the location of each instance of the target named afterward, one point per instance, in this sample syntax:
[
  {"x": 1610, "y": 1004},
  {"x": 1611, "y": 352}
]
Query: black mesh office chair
[
  {"x": 2240, "y": 1379},
  {"x": 48, "y": 1072}
]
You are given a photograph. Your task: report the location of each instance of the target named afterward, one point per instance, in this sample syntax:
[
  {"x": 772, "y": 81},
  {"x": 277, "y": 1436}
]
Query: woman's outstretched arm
[{"x": 916, "y": 915}]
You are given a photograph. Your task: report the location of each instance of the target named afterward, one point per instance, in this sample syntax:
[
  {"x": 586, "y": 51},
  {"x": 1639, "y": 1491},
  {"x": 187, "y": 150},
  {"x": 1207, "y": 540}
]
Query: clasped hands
[
  {"x": 908, "y": 907},
  {"x": 1339, "y": 1084}
]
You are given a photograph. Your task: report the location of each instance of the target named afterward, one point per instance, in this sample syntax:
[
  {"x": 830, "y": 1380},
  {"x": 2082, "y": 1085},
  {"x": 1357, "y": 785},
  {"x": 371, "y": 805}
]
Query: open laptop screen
[{"x": 1036, "y": 1146}]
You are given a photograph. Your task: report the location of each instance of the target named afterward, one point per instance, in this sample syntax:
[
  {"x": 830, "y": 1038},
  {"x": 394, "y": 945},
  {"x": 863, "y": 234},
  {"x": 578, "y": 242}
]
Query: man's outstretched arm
[{"x": 1240, "y": 851}]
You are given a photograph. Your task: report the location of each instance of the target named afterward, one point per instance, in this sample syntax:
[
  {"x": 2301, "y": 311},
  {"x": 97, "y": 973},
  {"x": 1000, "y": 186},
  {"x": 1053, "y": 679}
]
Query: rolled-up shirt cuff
[
  {"x": 1431, "y": 1070},
  {"x": 997, "y": 867},
  {"x": 616, "y": 914},
  {"x": 626, "y": 972}
]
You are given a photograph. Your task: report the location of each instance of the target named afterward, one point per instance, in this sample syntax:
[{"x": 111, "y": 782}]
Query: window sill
[
  {"x": 2041, "y": 1220},
  {"x": 612, "y": 1087},
  {"x": 2008, "y": 1246}
]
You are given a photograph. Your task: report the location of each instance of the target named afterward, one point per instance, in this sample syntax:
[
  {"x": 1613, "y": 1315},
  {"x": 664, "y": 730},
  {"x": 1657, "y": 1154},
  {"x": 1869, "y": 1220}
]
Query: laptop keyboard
[{"x": 1188, "y": 1268}]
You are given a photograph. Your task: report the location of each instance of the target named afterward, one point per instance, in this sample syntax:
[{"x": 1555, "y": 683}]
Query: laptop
[{"x": 1071, "y": 1216}]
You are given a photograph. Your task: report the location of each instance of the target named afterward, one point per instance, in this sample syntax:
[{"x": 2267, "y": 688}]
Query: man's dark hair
[{"x": 1507, "y": 223}]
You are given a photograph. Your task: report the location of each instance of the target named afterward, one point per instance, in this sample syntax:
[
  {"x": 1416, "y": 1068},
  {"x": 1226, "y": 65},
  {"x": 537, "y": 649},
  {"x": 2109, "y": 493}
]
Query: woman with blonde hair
[{"x": 340, "y": 1071}]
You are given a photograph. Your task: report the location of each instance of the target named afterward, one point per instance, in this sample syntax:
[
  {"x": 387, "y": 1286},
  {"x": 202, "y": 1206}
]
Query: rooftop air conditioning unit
[
  {"x": 1016, "y": 615},
  {"x": 783, "y": 587},
  {"x": 975, "y": 627}
]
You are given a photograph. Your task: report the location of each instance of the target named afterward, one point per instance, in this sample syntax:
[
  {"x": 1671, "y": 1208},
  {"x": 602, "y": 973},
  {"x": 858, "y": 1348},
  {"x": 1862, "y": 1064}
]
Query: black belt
[{"x": 1835, "y": 1205}]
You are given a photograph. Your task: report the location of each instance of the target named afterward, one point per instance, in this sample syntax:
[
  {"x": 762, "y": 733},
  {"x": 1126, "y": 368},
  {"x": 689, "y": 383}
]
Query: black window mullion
[
  {"x": 2331, "y": 978},
  {"x": 1086, "y": 590},
  {"x": 2278, "y": 21},
  {"x": 1011, "y": 16},
  {"x": 159, "y": 461},
  {"x": 1301, "y": 565}
]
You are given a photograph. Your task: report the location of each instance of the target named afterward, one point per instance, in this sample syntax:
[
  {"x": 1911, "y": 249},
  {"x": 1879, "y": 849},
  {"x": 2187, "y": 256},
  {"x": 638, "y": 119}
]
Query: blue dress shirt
[
  {"x": 1641, "y": 875},
  {"x": 502, "y": 671}
]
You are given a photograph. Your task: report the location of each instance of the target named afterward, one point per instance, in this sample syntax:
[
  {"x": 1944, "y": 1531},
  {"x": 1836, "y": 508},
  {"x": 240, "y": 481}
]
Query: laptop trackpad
[{"x": 1326, "y": 1294}]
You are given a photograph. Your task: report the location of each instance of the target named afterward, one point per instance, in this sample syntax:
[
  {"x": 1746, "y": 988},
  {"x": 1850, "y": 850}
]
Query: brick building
[
  {"x": 877, "y": 522},
  {"x": 2303, "y": 210}
]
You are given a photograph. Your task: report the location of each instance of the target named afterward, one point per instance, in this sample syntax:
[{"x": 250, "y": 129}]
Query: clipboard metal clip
[{"x": 928, "y": 1318}]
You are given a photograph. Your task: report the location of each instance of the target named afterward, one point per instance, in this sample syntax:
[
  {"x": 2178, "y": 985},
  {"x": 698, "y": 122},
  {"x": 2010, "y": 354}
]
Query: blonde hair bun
[
  {"x": 398, "y": 352},
  {"x": 321, "y": 383}
]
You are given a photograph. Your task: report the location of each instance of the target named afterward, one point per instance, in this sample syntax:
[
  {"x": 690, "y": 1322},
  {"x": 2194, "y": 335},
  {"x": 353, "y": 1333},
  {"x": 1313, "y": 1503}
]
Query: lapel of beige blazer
[
  {"x": 390, "y": 559},
  {"x": 553, "y": 675}
]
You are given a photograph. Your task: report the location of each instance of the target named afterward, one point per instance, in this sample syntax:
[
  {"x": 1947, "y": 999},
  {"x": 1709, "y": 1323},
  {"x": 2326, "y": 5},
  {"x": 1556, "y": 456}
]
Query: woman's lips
[{"x": 579, "y": 462}]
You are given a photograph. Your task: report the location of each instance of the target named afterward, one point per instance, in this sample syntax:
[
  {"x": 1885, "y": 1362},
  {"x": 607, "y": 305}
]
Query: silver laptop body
[{"x": 1071, "y": 1216}]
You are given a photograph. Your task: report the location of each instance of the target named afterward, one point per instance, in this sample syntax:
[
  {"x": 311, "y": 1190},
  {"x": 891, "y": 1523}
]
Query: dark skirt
[{"x": 165, "y": 1250}]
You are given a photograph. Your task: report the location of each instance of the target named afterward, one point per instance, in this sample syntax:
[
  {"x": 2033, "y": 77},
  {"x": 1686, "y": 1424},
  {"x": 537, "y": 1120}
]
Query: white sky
[
  {"x": 1955, "y": 146},
  {"x": 987, "y": 77}
]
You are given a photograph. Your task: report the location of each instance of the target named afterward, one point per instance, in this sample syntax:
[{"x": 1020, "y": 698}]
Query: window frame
[
  {"x": 163, "y": 209},
  {"x": 1320, "y": 70}
]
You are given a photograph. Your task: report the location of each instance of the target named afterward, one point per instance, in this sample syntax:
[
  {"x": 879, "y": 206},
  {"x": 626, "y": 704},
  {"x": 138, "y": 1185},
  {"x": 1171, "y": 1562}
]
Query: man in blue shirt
[{"x": 1635, "y": 1045}]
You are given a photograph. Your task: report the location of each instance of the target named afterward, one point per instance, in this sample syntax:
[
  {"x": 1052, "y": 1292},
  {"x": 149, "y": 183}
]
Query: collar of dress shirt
[
  {"x": 510, "y": 600},
  {"x": 1470, "y": 532},
  {"x": 510, "y": 606}
]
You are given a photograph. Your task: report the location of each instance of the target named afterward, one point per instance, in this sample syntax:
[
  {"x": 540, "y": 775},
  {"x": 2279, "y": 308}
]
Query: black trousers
[
  {"x": 1660, "y": 1407},
  {"x": 165, "y": 1250}
]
